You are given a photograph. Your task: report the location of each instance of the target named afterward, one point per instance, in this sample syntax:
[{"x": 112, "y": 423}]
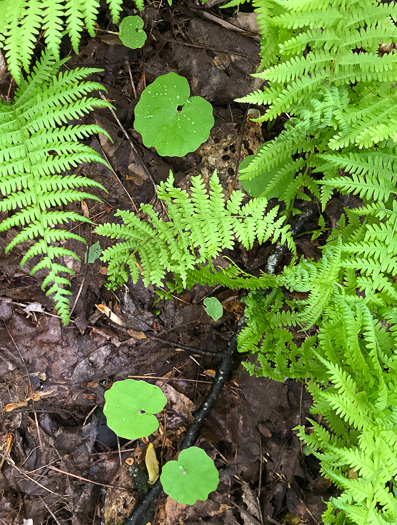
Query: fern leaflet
[{"x": 33, "y": 151}]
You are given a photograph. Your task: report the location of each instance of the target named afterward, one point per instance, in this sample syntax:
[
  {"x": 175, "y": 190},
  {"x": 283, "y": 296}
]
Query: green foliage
[
  {"x": 329, "y": 69},
  {"x": 348, "y": 297},
  {"x": 35, "y": 146},
  {"x": 263, "y": 184},
  {"x": 191, "y": 478},
  {"x": 213, "y": 308},
  {"x": 326, "y": 70},
  {"x": 131, "y": 32},
  {"x": 130, "y": 406},
  {"x": 129, "y": 410},
  {"x": 169, "y": 120},
  {"x": 200, "y": 226},
  {"x": 93, "y": 253},
  {"x": 22, "y": 21}
]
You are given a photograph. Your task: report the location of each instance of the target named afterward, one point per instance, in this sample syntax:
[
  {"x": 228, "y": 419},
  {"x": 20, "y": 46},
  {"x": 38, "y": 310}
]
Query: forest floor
[{"x": 60, "y": 464}]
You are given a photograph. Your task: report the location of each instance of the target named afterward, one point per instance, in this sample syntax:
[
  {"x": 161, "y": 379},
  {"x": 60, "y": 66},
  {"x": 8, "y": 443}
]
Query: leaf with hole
[
  {"x": 131, "y": 32},
  {"x": 130, "y": 406},
  {"x": 169, "y": 119},
  {"x": 190, "y": 478},
  {"x": 213, "y": 308}
]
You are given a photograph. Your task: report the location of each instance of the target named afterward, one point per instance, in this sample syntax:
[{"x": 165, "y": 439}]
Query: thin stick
[
  {"x": 117, "y": 177},
  {"x": 83, "y": 281},
  {"x": 49, "y": 510},
  {"x": 189, "y": 349},
  {"x": 131, "y": 79},
  {"x": 135, "y": 151},
  {"x": 85, "y": 479},
  {"x": 11, "y": 462},
  {"x": 171, "y": 379}
]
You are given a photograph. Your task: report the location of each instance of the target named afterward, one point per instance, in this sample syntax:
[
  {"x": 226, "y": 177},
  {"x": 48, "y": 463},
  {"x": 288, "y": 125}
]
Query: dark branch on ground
[{"x": 224, "y": 370}]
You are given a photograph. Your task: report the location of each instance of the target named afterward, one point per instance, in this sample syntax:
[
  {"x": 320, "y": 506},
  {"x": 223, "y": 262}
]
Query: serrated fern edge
[{"x": 36, "y": 145}]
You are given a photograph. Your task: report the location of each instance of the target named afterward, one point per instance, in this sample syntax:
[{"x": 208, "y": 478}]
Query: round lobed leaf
[
  {"x": 130, "y": 406},
  {"x": 191, "y": 478},
  {"x": 131, "y": 32},
  {"x": 169, "y": 120}
]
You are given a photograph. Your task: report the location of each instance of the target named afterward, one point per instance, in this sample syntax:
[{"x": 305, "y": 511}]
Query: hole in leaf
[
  {"x": 173, "y": 136},
  {"x": 142, "y": 411}
]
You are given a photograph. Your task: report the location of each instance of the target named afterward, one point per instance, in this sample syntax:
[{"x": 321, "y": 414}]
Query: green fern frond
[
  {"x": 299, "y": 66},
  {"x": 22, "y": 20},
  {"x": 200, "y": 227},
  {"x": 231, "y": 277},
  {"x": 318, "y": 53},
  {"x": 30, "y": 182},
  {"x": 309, "y": 18}
]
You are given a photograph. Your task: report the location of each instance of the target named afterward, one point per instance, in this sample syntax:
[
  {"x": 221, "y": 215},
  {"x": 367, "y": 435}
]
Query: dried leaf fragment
[
  {"x": 152, "y": 465},
  {"x": 111, "y": 315}
]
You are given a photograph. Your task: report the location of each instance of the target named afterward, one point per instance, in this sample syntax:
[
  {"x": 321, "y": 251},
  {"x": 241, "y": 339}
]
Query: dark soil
[{"x": 60, "y": 463}]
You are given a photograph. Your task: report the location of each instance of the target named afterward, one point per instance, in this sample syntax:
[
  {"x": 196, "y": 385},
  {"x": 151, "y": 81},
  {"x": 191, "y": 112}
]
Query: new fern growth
[
  {"x": 36, "y": 148},
  {"x": 200, "y": 226}
]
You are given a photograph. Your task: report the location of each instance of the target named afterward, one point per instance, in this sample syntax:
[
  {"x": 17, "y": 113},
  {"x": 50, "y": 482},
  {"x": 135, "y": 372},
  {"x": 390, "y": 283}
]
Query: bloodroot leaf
[
  {"x": 169, "y": 120},
  {"x": 190, "y": 478},
  {"x": 131, "y": 32},
  {"x": 130, "y": 406}
]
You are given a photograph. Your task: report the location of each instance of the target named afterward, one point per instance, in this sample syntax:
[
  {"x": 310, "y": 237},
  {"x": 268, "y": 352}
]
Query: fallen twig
[
  {"x": 193, "y": 432},
  {"x": 223, "y": 372}
]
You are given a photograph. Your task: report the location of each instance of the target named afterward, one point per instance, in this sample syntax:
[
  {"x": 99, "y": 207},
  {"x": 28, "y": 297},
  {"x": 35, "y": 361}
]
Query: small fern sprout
[{"x": 36, "y": 148}]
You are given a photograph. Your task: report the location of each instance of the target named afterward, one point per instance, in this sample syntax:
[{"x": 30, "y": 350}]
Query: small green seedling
[
  {"x": 190, "y": 478},
  {"x": 213, "y": 308},
  {"x": 130, "y": 406},
  {"x": 169, "y": 120},
  {"x": 93, "y": 253},
  {"x": 129, "y": 410},
  {"x": 131, "y": 32}
]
